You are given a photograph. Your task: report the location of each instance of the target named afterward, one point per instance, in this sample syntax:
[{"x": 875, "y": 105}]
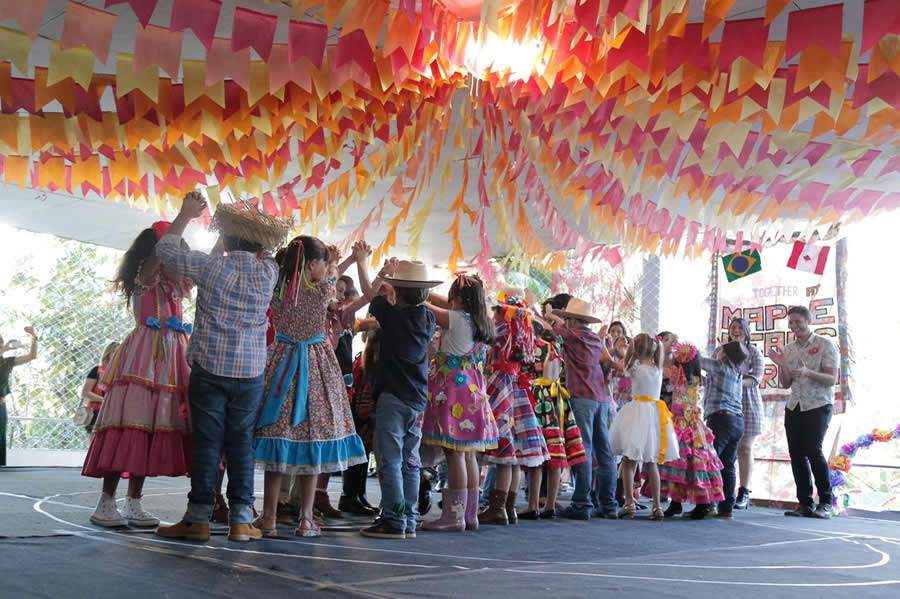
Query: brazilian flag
[{"x": 741, "y": 264}]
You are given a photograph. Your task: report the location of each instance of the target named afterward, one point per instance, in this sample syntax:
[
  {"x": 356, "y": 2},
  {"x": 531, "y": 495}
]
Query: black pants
[
  {"x": 805, "y": 433},
  {"x": 728, "y": 429},
  {"x": 3, "y": 422}
]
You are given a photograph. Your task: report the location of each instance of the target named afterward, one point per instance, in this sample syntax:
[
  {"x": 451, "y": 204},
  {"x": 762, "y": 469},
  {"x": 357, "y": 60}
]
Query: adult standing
[
  {"x": 808, "y": 366},
  {"x": 752, "y": 371},
  {"x": 6, "y": 366}
]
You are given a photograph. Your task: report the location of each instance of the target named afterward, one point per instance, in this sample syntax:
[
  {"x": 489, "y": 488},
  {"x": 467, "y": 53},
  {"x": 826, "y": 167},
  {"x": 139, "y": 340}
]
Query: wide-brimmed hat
[
  {"x": 735, "y": 351},
  {"x": 579, "y": 310},
  {"x": 509, "y": 297},
  {"x": 245, "y": 221},
  {"x": 411, "y": 273}
]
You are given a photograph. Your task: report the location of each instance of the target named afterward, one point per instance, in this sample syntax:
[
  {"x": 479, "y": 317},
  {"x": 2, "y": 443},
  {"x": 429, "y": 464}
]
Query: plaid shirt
[
  {"x": 723, "y": 387},
  {"x": 752, "y": 399},
  {"x": 582, "y": 349},
  {"x": 233, "y": 294}
]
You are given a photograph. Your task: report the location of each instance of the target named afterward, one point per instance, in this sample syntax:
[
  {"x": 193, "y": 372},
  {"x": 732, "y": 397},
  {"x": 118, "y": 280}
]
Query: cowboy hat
[
  {"x": 245, "y": 221},
  {"x": 411, "y": 273},
  {"x": 736, "y": 352},
  {"x": 579, "y": 310}
]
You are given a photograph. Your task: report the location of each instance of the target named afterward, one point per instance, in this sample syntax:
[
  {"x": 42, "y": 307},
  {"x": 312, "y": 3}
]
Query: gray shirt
[{"x": 816, "y": 354}]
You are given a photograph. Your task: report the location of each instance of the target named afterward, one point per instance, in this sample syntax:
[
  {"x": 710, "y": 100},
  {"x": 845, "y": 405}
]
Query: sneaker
[
  {"x": 382, "y": 529},
  {"x": 184, "y": 530},
  {"x": 743, "y": 499},
  {"x": 107, "y": 514},
  {"x": 725, "y": 515},
  {"x": 823, "y": 511},
  {"x": 136, "y": 515},
  {"x": 573, "y": 512},
  {"x": 241, "y": 533},
  {"x": 803, "y": 511}
]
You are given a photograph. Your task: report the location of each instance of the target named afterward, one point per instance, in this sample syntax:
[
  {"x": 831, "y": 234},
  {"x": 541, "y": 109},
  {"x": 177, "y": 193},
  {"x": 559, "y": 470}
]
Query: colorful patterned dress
[
  {"x": 362, "y": 404},
  {"x": 551, "y": 406},
  {"x": 144, "y": 428},
  {"x": 695, "y": 477},
  {"x": 458, "y": 415},
  {"x": 521, "y": 437},
  {"x": 305, "y": 425}
]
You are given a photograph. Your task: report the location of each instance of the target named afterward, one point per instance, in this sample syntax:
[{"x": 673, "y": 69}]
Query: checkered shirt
[
  {"x": 582, "y": 349},
  {"x": 723, "y": 387},
  {"x": 752, "y": 400},
  {"x": 233, "y": 294}
]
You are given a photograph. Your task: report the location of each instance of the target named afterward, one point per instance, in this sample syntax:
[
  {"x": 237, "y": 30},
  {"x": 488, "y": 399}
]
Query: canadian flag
[{"x": 808, "y": 257}]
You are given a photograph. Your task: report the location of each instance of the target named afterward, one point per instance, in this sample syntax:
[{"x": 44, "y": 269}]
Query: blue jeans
[
  {"x": 398, "y": 433},
  {"x": 223, "y": 415},
  {"x": 592, "y": 418},
  {"x": 728, "y": 429}
]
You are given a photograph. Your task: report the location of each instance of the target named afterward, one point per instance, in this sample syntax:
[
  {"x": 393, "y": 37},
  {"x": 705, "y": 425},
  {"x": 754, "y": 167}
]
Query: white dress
[{"x": 638, "y": 428}]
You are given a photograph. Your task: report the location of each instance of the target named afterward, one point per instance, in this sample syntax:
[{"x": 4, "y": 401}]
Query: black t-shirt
[
  {"x": 406, "y": 333},
  {"x": 94, "y": 373}
]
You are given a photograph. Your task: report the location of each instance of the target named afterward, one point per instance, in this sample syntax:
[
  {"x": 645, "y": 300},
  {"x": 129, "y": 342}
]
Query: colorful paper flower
[
  {"x": 685, "y": 352},
  {"x": 460, "y": 379},
  {"x": 457, "y": 410},
  {"x": 883, "y": 436},
  {"x": 848, "y": 449},
  {"x": 454, "y": 362},
  {"x": 840, "y": 462},
  {"x": 467, "y": 425},
  {"x": 837, "y": 479}
]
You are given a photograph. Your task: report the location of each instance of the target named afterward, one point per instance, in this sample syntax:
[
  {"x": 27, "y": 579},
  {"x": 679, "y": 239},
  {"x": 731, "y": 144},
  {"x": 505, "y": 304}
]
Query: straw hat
[
  {"x": 245, "y": 221},
  {"x": 411, "y": 273},
  {"x": 579, "y": 310}
]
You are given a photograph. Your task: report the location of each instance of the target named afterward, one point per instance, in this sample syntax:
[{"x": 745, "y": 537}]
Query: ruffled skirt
[{"x": 638, "y": 434}]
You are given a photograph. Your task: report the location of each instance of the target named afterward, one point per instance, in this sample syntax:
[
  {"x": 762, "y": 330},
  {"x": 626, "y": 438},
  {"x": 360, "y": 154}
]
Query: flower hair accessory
[
  {"x": 685, "y": 352},
  {"x": 160, "y": 228}
]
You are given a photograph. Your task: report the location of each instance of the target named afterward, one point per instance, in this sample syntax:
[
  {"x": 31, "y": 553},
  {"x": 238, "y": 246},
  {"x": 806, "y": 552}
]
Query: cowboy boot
[
  {"x": 496, "y": 510},
  {"x": 453, "y": 514},
  {"x": 323, "y": 504},
  {"x": 511, "y": 514},
  {"x": 472, "y": 510}
]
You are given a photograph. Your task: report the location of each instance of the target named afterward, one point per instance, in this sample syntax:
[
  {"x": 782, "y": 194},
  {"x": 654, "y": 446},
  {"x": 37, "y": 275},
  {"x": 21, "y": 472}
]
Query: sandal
[
  {"x": 308, "y": 528},
  {"x": 627, "y": 512},
  {"x": 266, "y": 532},
  {"x": 657, "y": 515}
]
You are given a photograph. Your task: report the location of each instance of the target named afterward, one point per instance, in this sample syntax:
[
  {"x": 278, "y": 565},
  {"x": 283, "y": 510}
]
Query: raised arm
[
  {"x": 169, "y": 249},
  {"x": 785, "y": 376},
  {"x": 660, "y": 354},
  {"x": 32, "y": 354},
  {"x": 441, "y": 315},
  {"x": 437, "y": 300}
]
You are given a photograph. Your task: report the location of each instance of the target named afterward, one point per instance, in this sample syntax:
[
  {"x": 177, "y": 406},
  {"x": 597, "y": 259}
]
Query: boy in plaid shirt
[
  {"x": 227, "y": 354},
  {"x": 590, "y": 401}
]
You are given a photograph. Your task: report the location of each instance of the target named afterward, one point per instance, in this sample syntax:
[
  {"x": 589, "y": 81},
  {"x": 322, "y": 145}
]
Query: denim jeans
[
  {"x": 398, "y": 433},
  {"x": 728, "y": 429},
  {"x": 805, "y": 433},
  {"x": 223, "y": 415},
  {"x": 592, "y": 418}
]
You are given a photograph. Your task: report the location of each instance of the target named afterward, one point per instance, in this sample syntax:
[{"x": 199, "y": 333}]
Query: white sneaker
[
  {"x": 134, "y": 512},
  {"x": 107, "y": 514}
]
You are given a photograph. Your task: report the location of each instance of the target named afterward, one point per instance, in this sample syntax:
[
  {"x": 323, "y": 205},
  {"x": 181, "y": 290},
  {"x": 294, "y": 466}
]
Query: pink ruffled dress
[{"x": 143, "y": 428}]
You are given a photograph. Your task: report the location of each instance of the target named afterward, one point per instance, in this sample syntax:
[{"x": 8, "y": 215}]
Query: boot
[
  {"x": 673, "y": 510},
  {"x": 323, "y": 504},
  {"x": 472, "y": 510},
  {"x": 496, "y": 510},
  {"x": 351, "y": 501},
  {"x": 425, "y": 496},
  {"x": 453, "y": 514},
  {"x": 511, "y": 514},
  {"x": 743, "y": 499}
]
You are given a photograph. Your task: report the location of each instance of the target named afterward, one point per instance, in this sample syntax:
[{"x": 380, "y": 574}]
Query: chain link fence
[{"x": 63, "y": 289}]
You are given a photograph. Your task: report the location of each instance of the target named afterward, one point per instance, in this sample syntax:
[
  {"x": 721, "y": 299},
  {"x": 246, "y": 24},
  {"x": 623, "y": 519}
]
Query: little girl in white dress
[{"x": 642, "y": 432}]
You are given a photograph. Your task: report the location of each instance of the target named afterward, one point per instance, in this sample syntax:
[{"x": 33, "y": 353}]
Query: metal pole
[{"x": 650, "y": 295}]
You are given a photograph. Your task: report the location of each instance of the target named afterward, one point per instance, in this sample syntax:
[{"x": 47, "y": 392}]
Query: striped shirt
[
  {"x": 233, "y": 294},
  {"x": 582, "y": 350},
  {"x": 724, "y": 387}
]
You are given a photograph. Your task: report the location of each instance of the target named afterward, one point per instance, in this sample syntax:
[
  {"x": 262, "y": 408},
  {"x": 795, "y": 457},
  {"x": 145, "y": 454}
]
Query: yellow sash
[
  {"x": 665, "y": 417},
  {"x": 561, "y": 394}
]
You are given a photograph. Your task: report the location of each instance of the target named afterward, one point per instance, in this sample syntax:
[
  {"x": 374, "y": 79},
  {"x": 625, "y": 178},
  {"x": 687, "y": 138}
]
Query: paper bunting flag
[
  {"x": 741, "y": 264},
  {"x": 200, "y": 16}
]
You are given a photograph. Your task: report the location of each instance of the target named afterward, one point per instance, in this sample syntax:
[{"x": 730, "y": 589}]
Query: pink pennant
[
  {"x": 813, "y": 194},
  {"x": 745, "y": 38},
  {"x": 251, "y": 29},
  {"x": 861, "y": 165},
  {"x": 222, "y": 62},
  {"x": 88, "y": 27},
  {"x": 200, "y": 16},
  {"x": 354, "y": 47},
  {"x": 307, "y": 40},
  {"x": 880, "y": 18},
  {"x": 143, "y": 9},
  {"x": 891, "y": 167},
  {"x": 428, "y": 23},
  {"x": 587, "y": 14},
  {"x": 814, "y": 27},
  {"x": 29, "y": 15},
  {"x": 159, "y": 46}
]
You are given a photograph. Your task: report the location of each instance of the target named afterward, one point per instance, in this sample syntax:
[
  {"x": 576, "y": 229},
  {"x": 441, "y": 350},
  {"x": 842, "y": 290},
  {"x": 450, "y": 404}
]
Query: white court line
[
  {"x": 827, "y": 532},
  {"x": 719, "y": 582}
]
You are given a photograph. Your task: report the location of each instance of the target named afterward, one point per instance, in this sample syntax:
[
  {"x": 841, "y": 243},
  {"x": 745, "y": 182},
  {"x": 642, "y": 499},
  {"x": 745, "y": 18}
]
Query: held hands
[
  {"x": 388, "y": 269},
  {"x": 334, "y": 255},
  {"x": 30, "y": 331},
  {"x": 361, "y": 251},
  {"x": 193, "y": 205}
]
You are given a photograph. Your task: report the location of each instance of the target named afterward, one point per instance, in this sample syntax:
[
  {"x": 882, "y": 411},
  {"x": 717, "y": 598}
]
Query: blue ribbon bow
[
  {"x": 294, "y": 360},
  {"x": 173, "y": 323}
]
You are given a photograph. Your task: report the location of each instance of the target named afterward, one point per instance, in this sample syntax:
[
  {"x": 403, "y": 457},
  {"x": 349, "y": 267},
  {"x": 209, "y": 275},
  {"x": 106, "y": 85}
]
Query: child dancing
[{"x": 642, "y": 432}]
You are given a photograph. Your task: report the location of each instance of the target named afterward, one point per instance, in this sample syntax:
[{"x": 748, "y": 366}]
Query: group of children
[{"x": 263, "y": 378}]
